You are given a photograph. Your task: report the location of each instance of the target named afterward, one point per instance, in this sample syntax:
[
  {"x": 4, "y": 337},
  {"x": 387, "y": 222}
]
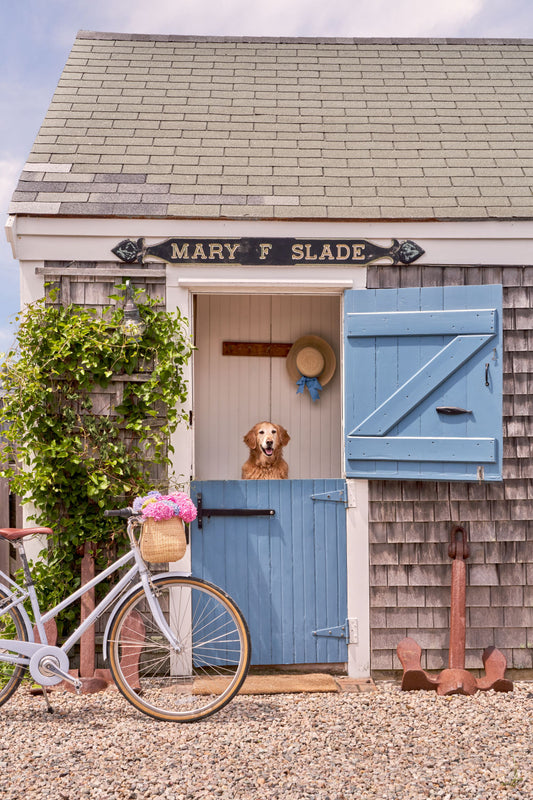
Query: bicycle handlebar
[{"x": 124, "y": 513}]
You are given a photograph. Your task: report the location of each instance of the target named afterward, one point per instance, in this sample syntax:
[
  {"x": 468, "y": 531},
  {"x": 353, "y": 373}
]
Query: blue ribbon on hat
[{"x": 313, "y": 385}]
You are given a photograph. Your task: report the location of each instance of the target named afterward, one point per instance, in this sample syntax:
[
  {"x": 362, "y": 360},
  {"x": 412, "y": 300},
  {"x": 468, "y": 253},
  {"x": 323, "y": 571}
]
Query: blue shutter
[{"x": 423, "y": 383}]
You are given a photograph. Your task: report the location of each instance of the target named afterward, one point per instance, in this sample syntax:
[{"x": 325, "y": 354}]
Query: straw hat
[{"x": 311, "y": 357}]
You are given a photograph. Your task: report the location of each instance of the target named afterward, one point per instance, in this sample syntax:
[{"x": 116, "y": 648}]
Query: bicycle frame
[{"x": 18, "y": 596}]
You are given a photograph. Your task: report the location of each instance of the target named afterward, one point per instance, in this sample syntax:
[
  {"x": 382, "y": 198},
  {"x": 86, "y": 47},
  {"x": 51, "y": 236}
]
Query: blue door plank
[
  {"x": 360, "y": 397},
  {"x": 287, "y": 573},
  {"x": 323, "y": 549},
  {"x": 305, "y": 553},
  {"x": 323, "y": 564},
  {"x": 330, "y": 593},
  {"x": 267, "y": 618},
  {"x": 283, "y": 636},
  {"x": 326, "y": 554}
]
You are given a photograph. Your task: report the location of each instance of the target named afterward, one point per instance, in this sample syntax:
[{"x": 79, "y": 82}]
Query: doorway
[
  {"x": 287, "y": 572},
  {"x": 232, "y": 393}
]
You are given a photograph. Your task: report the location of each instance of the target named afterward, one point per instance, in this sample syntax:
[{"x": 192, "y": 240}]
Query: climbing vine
[{"x": 71, "y": 459}]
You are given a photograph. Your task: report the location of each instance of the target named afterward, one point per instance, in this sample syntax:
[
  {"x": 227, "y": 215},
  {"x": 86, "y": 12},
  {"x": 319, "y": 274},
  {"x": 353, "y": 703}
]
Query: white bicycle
[{"x": 178, "y": 647}]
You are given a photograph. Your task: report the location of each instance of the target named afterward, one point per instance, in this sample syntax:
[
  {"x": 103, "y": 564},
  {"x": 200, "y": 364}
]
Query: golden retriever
[{"x": 266, "y": 442}]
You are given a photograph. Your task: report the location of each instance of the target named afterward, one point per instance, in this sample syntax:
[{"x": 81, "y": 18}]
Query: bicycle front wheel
[
  {"x": 11, "y": 627},
  {"x": 213, "y": 657}
]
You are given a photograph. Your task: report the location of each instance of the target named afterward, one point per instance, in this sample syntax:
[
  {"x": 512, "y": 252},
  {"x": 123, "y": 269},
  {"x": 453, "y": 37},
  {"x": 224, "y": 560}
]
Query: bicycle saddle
[{"x": 17, "y": 533}]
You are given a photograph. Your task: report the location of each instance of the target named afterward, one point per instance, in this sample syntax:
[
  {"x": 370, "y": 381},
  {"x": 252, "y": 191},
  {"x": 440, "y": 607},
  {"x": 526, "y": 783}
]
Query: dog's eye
[
  {"x": 274, "y": 433},
  {"x": 261, "y": 432}
]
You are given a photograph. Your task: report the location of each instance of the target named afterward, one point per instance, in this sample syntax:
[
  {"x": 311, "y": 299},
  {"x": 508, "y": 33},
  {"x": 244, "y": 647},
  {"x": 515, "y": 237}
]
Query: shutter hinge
[
  {"x": 334, "y": 496},
  {"x": 348, "y": 631}
]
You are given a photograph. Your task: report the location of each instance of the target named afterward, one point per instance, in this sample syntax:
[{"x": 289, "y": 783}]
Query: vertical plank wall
[{"x": 232, "y": 393}]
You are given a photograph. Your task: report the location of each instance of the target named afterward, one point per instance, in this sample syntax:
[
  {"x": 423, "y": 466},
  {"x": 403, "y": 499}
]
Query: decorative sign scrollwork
[
  {"x": 129, "y": 251},
  {"x": 273, "y": 252}
]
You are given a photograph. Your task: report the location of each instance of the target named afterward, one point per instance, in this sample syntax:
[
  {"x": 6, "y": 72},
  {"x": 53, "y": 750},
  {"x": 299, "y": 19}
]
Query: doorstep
[{"x": 305, "y": 683}]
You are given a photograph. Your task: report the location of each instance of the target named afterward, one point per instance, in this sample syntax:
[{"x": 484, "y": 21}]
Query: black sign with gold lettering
[{"x": 275, "y": 252}]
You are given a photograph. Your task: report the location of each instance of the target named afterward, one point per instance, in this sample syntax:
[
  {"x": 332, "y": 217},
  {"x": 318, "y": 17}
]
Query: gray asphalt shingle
[{"x": 311, "y": 128}]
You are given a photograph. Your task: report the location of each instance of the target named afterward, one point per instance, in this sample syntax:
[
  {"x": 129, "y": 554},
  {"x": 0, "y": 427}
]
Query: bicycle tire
[
  {"x": 11, "y": 627},
  {"x": 209, "y": 671}
]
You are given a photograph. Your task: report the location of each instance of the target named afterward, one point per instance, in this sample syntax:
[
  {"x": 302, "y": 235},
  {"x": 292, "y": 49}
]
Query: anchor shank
[{"x": 456, "y": 658}]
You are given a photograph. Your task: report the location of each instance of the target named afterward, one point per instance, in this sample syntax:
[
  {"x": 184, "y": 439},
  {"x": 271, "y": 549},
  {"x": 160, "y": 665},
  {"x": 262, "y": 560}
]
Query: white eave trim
[{"x": 11, "y": 228}]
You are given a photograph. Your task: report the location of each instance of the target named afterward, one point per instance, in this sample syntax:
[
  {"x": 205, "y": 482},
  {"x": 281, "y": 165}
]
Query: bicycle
[{"x": 178, "y": 647}]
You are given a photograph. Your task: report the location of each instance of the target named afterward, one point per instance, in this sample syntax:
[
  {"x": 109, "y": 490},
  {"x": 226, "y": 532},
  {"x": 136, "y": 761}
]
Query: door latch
[{"x": 228, "y": 512}]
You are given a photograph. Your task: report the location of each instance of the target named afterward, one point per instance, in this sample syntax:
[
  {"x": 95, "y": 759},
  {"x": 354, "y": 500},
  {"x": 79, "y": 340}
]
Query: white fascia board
[
  {"x": 92, "y": 239},
  {"x": 10, "y": 228}
]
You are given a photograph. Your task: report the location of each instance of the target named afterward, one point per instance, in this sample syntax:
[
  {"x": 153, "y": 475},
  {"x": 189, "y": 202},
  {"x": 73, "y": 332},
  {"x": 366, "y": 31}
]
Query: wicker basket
[{"x": 163, "y": 540}]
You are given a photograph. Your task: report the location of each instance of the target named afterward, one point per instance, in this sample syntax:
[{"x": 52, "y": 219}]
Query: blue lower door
[{"x": 286, "y": 570}]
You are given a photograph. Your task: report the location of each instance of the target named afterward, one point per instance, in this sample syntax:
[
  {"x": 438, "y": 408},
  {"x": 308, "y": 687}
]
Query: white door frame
[{"x": 182, "y": 284}]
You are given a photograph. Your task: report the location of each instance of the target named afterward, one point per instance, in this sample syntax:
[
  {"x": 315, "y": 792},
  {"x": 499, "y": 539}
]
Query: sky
[{"x": 37, "y": 36}]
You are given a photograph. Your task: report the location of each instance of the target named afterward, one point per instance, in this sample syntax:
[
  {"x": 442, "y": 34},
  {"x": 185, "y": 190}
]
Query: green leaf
[{"x": 67, "y": 459}]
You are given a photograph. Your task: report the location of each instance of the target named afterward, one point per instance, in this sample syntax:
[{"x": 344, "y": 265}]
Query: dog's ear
[
  {"x": 283, "y": 435},
  {"x": 250, "y": 440}
]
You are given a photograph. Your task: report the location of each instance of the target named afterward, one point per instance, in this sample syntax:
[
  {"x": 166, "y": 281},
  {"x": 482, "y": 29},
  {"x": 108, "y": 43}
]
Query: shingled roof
[{"x": 180, "y": 126}]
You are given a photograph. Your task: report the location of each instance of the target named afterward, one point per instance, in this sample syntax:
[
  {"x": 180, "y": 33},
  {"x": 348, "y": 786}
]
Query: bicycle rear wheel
[
  {"x": 11, "y": 627},
  {"x": 211, "y": 666}
]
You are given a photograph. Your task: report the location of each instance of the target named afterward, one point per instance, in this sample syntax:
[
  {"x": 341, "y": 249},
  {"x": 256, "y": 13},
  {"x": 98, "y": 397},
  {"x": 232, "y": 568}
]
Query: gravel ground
[{"x": 386, "y": 744}]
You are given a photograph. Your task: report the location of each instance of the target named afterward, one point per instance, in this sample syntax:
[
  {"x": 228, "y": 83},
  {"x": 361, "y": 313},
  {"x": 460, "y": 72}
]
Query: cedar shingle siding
[{"x": 410, "y": 570}]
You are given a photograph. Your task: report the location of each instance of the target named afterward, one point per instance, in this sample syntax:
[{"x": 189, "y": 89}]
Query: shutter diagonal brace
[{"x": 419, "y": 386}]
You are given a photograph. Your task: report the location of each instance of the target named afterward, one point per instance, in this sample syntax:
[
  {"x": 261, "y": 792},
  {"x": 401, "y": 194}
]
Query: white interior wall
[{"x": 232, "y": 393}]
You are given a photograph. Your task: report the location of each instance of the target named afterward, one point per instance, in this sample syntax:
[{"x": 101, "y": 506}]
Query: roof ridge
[{"x": 163, "y": 37}]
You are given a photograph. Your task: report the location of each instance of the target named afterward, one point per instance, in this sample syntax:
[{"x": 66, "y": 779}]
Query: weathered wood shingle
[
  {"x": 410, "y": 522},
  {"x": 286, "y": 128}
]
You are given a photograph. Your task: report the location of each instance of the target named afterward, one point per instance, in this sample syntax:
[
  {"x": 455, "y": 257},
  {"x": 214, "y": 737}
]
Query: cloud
[
  {"x": 9, "y": 277},
  {"x": 286, "y": 17}
]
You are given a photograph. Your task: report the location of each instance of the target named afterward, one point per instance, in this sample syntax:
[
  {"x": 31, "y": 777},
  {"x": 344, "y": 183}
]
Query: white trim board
[
  {"x": 92, "y": 239},
  {"x": 270, "y": 284}
]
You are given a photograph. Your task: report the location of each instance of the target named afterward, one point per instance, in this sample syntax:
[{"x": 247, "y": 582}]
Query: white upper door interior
[{"x": 232, "y": 393}]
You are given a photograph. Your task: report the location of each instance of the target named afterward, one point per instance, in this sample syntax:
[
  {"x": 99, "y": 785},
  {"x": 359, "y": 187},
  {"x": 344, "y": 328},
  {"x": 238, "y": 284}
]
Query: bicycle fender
[{"x": 132, "y": 590}]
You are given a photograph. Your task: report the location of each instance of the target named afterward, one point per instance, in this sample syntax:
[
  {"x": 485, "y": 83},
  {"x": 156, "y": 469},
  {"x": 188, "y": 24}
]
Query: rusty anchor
[{"x": 455, "y": 679}]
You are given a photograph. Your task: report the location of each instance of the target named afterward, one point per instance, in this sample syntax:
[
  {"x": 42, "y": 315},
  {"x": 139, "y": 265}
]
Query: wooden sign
[
  {"x": 272, "y": 252},
  {"x": 267, "y": 349}
]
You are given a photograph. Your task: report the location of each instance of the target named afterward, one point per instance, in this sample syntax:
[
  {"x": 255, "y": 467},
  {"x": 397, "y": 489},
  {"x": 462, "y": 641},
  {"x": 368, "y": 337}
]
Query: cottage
[{"x": 375, "y": 194}]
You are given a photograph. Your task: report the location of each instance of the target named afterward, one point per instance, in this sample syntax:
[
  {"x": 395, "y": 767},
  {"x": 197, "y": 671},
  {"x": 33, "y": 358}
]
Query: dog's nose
[{"x": 269, "y": 442}]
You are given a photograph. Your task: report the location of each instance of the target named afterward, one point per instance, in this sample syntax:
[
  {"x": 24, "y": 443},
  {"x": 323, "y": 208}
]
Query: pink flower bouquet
[{"x": 165, "y": 506}]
